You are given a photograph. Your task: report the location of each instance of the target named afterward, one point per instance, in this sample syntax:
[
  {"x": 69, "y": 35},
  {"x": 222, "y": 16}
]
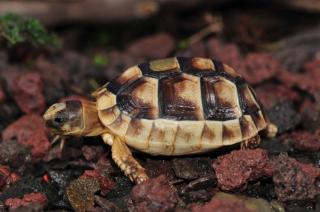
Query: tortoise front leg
[
  {"x": 251, "y": 143},
  {"x": 122, "y": 156}
]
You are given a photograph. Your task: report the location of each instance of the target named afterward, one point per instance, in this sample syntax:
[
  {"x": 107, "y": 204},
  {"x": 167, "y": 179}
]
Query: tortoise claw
[{"x": 122, "y": 156}]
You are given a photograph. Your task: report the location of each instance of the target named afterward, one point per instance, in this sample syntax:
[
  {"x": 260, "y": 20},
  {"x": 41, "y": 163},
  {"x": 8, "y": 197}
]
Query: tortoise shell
[{"x": 180, "y": 105}]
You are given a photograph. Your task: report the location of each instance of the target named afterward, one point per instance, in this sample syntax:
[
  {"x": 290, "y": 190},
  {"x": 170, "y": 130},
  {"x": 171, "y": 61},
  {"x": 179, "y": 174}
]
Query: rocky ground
[{"x": 276, "y": 51}]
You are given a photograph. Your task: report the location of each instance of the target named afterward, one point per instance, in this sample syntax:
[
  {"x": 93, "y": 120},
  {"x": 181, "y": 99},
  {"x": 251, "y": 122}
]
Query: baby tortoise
[{"x": 173, "y": 106}]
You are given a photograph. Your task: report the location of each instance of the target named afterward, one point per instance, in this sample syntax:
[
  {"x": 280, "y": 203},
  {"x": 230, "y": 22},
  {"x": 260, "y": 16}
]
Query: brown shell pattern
[{"x": 176, "y": 94}]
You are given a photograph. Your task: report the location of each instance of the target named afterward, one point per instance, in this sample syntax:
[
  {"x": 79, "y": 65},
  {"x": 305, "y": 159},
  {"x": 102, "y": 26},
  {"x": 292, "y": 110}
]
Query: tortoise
[{"x": 172, "y": 106}]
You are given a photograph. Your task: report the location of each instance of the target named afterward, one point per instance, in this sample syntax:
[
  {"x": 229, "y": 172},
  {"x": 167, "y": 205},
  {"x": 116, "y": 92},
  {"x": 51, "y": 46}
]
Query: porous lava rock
[
  {"x": 28, "y": 93},
  {"x": 154, "y": 195},
  {"x": 236, "y": 169},
  {"x": 294, "y": 180}
]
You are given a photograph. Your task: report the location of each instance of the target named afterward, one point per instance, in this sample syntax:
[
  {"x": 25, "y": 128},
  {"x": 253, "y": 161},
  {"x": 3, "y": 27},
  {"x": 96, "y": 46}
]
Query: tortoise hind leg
[
  {"x": 122, "y": 156},
  {"x": 251, "y": 143},
  {"x": 271, "y": 130}
]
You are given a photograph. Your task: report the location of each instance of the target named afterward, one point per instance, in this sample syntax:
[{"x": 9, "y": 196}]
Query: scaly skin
[{"x": 122, "y": 156}]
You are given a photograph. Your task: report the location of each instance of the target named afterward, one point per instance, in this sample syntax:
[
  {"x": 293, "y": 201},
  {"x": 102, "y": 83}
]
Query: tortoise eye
[{"x": 58, "y": 120}]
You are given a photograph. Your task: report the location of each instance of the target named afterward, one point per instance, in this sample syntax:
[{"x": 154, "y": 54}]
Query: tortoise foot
[
  {"x": 271, "y": 130},
  {"x": 122, "y": 156},
  {"x": 251, "y": 143}
]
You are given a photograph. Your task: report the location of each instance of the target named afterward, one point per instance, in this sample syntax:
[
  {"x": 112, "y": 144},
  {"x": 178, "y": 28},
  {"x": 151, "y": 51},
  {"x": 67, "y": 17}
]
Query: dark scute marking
[
  {"x": 135, "y": 128},
  {"x": 146, "y": 71},
  {"x": 218, "y": 65},
  {"x": 207, "y": 133},
  {"x": 212, "y": 109},
  {"x": 132, "y": 106},
  {"x": 255, "y": 97},
  {"x": 171, "y": 106},
  {"x": 245, "y": 127},
  {"x": 239, "y": 81},
  {"x": 228, "y": 133},
  {"x": 186, "y": 67},
  {"x": 245, "y": 107},
  {"x": 242, "y": 101},
  {"x": 257, "y": 119},
  {"x": 183, "y": 134},
  {"x": 157, "y": 133},
  {"x": 116, "y": 86}
]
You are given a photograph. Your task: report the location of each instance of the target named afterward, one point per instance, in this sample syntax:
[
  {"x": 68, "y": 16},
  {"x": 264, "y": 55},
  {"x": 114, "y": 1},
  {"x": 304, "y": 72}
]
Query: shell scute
[
  {"x": 180, "y": 98},
  {"x": 138, "y": 133},
  {"x": 231, "y": 132},
  {"x": 139, "y": 100},
  {"x": 127, "y": 77},
  {"x": 167, "y": 64},
  {"x": 220, "y": 99}
]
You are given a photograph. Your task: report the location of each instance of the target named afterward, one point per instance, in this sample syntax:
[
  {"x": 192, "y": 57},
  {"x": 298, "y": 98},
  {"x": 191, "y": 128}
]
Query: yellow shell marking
[
  {"x": 106, "y": 100},
  {"x": 202, "y": 63},
  {"x": 164, "y": 64},
  {"x": 230, "y": 71}
]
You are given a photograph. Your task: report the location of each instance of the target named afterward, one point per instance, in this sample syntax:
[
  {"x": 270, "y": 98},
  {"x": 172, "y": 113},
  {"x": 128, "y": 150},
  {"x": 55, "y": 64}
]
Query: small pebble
[
  {"x": 154, "y": 195},
  {"x": 105, "y": 183},
  {"x": 80, "y": 193},
  {"x": 191, "y": 168},
  {"x": 229, "y": 203}
]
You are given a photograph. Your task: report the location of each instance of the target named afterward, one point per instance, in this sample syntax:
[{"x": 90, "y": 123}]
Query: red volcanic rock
[
  {"x": 152, "y": 47},
  {"x": 254, "y": 67},
  {"x": 39, "y": 143},
  {"x": 308, "y": 81},
  {"x": 154, "y": 195},
  {"x": 258, "y": 67},
  {"x": 305, "y": 140},
  {"x": 271, "y": 94},
  {"x": 29, "y": 130},
  {"x": 23, "y": 128},
  {"x": 105, "y": 183},
  {"x": 226, "y": 52},
  {"x": 294, "y": 180},
  {"x": 235, "y": 169},
  {"x": 27, "y": 92},
  {"x": 310, "y": 115},
  {"x": 13, "y": 203}
]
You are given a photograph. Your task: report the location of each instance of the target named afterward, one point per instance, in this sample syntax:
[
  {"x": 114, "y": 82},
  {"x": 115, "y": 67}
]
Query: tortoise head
[{"x": 74, "y": 117}]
